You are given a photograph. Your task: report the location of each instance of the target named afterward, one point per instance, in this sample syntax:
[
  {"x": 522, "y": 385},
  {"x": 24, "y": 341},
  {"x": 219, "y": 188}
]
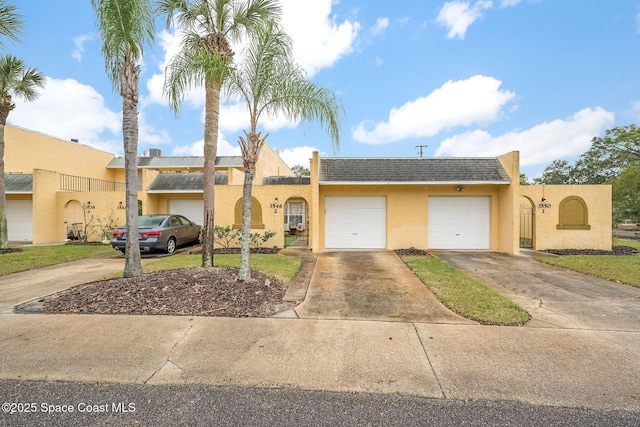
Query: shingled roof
[
  {"x": 413, "y": 170},
  {"x": 183, "y": 182},
  {"x": 286, "y": 180},
  {"x": 196, "y": 162},
  {"x": 18, "y": 183}
]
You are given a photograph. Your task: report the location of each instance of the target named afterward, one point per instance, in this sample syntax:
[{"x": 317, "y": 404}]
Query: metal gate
[{"x": 526, "y": 226}]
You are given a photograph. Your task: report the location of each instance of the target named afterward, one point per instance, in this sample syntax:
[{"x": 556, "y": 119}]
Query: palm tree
[
  {"x": 205, "y": 60},
  {"x": 270, "y": 83},
  {"x": 10, "y": 22},
  {"x": 16, "y": 80},
  {"x": 126, "y": 26}
]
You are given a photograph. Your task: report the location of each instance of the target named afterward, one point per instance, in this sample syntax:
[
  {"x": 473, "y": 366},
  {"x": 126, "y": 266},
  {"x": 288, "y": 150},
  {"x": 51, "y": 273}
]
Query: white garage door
[
  {"x": 459, "y": 222},
  {"x": 355, "y": 222},
  {"x": 192, "y": 209},
  {"x": 20, "y": 220}
]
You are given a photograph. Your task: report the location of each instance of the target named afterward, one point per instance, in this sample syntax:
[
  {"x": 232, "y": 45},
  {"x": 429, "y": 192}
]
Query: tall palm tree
[
  {"x": 205, "y": 60},
  {"x": 16, "y": 80},
  {"x": 271, "y": 83},
  {"x": 126, "y": 27},
  {"x": 10, "y": 26}
]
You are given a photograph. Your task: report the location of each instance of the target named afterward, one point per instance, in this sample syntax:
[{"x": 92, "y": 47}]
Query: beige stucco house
[{"x": 346, "y": 203}]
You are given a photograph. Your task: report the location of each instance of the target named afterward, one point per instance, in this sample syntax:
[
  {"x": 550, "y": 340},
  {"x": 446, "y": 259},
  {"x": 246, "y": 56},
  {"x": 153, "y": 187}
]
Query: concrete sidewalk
[
  {"x": 545, "y": 366},
  {"x": 595, "y": 369}
]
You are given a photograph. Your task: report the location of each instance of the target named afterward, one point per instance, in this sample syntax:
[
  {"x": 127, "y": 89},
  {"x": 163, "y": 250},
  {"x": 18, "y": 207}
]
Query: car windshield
[{"x": 150, "y": 221}]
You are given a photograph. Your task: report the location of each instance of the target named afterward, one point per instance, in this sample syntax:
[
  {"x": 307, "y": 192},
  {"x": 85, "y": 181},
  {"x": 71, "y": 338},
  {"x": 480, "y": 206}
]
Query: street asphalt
[{"x": 581, "y": 366}]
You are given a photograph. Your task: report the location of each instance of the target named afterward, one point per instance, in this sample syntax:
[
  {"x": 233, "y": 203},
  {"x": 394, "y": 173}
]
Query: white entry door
[
  {"x": 20, "y": 220},
  {"x": 192, "y": 209},
  {"x": 355, "y": 222},
  {"x": 459, "y": 222}
]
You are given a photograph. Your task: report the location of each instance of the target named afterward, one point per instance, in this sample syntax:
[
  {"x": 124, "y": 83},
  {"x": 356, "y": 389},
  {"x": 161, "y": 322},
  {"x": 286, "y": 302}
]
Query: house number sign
[
  {"x": 275, "y": 206},
  {"x": 544, "y": 205}
]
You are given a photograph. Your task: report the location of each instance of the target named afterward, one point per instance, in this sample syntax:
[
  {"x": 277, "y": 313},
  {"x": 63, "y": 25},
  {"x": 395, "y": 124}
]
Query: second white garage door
[
  {"x": 459, "y": 222},
  {"x": 355, "y": 222},
  {"x": 192, "y": 209}
]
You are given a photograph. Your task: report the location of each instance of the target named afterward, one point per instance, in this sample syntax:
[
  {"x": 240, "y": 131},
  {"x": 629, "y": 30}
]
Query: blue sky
[{"x": 465, "y": 78}]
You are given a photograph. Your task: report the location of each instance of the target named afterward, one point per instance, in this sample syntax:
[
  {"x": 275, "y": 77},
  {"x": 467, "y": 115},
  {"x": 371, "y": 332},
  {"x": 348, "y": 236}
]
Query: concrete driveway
[
  {"x": 370, "y": 285},
  {"x": 555, "y": 297}
]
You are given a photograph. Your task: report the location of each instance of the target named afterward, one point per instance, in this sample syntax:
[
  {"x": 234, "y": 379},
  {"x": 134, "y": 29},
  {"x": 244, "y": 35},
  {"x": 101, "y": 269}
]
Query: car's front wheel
[{"x": 171, "y": 245}]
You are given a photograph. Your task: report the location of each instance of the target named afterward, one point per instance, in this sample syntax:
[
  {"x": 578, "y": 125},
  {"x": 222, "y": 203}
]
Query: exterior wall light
[
  {"x": 460, "y": 188},
  {"x": 275, "y": 205}
]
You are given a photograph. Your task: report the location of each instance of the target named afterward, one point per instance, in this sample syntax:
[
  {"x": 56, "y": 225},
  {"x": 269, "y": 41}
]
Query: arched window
[
  {"x": 573, "y": 214},
  {"x": 256, "y": 214}
]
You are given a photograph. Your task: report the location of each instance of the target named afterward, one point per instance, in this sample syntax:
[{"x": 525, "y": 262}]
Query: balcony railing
[{"x": 80, "y": 183}]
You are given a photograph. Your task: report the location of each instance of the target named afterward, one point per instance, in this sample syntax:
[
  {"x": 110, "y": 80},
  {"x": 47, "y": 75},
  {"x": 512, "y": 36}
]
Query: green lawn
[
  {"x": 464, "y": 295},
  {"x": 617, "y": 268},
  {"x": 42, "y": 256},
  {"x": 280, "y": 266}
]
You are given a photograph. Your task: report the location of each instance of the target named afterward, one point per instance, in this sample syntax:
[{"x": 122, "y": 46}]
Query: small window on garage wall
[
  {"x": 256, "y": 214},
  {"x": 573, "y": 214}
]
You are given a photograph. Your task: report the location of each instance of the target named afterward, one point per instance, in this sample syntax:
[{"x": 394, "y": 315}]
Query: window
[
  {"x": 256, "y": 214},
  {"x": 573, "y": 214},
  {"x": 294, "y": 215}
]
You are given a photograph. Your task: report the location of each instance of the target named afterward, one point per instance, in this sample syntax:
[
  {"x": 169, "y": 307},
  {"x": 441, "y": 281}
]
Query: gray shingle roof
[
  {"x": 286, "y": 180},
  {"x": 183, "y": 182},
  {"x": 19, "y": 183},
  {"x": 178, "y": 162},
  {"x": 413, "y": 170}
]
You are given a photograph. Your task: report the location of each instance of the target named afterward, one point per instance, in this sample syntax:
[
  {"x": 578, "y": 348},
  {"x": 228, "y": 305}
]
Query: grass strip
[
  {"x": 280, "y": 266},
  {"x": 464, "y": 295},
  {"x": 616, "y": 268},
  {"x": 43, "y": 256}
]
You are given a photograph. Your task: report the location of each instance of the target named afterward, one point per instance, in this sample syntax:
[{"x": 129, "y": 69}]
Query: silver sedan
[{"x": 163, "y": 232}]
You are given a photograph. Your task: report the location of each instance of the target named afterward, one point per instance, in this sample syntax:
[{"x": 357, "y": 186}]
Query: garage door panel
[
  {"x": 459, "y": 222},
  {"x": 20, "y": 220},
  {"x": 355, "y": 222},
  {"x": 192, "y": 209}
]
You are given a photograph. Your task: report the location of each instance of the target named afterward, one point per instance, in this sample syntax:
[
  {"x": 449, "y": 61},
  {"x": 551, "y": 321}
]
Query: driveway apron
[
  {"x": 370, "y": 285},
  {"x": 554, "y": 296}
]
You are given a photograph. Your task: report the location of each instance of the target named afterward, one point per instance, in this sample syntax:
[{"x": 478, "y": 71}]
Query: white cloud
[
  {"x": 381, "y": 25},
  {"x": 297, "y": 155},
  {"x": 457, "y": 16},
  {"x": 68, "y": 109},
  {"x": 477, "y": 99},
  {"x": 197, "y": 148},
  {"x": 319, "y": 41},
  {"x": 79, "y": 45},
  {"x": 539, "y": 145}
]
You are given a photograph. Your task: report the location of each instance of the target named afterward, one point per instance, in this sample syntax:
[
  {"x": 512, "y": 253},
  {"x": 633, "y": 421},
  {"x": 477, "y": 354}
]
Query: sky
[{"x": 463, "y": 78}]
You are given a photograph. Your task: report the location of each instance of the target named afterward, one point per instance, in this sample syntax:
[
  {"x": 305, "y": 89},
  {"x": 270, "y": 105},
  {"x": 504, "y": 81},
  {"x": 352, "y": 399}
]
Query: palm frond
[
  {"x": 126, "y": 27},
  {"x": 11, "y": 23}
]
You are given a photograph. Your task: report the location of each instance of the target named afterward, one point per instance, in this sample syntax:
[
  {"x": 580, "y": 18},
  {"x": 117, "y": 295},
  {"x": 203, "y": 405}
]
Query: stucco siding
[{"x": 547, "y": 235}]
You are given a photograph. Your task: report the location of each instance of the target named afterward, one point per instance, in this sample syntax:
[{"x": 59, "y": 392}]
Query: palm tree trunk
[
  {"x": 4, "y": 230},
  {"x": 212, "y": 113},
  {"x": 129, "y": 73},
  {"x": 244, "y": 275}
]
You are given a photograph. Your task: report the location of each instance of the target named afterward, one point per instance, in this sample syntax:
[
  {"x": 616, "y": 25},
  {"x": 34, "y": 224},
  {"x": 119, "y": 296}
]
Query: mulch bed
[
  {"x": 181, "y": 292},
  {"x": 616, "y": 250},
  {"x": 10, "y": 250},
  {"x": 410, "y": 252}
]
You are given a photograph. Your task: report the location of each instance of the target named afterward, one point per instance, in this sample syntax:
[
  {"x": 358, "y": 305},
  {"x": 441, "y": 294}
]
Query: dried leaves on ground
[
  {"x": 180, "y": 292},
  {"x": 615, "y": 250}
]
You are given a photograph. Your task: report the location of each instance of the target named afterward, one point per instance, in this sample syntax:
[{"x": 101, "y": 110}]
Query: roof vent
[{"x": 155, "y": 152}]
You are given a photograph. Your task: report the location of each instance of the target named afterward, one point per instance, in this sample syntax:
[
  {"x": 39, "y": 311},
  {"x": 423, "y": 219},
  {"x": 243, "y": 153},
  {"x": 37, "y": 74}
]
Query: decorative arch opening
[
  {"x": 527, "y": 223},
  {"x": 73, "y": 219},
  {"x": 256, "y": 214},
  {"x": 573, "y": 214},
  {"x": 296, "y": 222}
]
